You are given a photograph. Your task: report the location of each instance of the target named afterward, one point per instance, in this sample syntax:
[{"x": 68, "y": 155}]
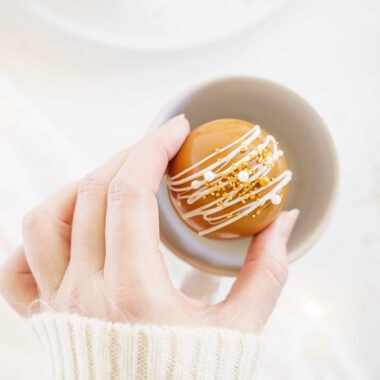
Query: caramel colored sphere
[{"x": 229, "y": 179}]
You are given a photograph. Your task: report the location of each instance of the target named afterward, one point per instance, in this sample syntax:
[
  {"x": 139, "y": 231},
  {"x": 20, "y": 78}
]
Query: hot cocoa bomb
[{"x": 229, "y": 179}]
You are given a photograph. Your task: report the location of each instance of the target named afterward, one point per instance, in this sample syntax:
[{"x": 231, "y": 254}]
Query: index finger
[{"x": 132, "y": 230}]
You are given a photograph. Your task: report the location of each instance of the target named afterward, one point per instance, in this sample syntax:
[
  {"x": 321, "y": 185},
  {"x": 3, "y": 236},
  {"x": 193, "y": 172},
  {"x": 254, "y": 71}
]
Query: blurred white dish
[{"x": 152, "y": 25}]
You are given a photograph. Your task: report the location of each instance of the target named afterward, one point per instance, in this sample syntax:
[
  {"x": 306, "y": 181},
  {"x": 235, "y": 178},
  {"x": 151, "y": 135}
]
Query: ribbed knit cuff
[{"x": 89, "y": 349}]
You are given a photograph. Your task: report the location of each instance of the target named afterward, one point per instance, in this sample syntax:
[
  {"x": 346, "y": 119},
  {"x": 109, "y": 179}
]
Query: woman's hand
[{"x": 92, "y": 249}]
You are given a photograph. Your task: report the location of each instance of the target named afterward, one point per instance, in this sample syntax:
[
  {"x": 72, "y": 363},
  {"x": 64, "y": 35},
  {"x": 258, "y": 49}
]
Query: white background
[{"x": 103, "y": 98}]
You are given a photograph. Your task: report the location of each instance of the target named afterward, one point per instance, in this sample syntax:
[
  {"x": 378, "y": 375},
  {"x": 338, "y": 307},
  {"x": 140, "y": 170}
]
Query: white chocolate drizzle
[{"x": 226, "y": 183}]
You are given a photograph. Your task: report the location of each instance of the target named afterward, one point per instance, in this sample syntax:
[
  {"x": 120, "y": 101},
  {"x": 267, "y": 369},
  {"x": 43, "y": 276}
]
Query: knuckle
[
  {"x": 161, "y": 154},
  {"x": 277, "y": 270},
  {"x": 31, "y": 220},
  {"x": 121, "y": 190},
  {"x": 91, "y": 186}
]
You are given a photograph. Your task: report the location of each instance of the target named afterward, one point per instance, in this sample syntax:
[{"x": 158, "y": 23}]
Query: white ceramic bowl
[{"x": 309, "y": 150}]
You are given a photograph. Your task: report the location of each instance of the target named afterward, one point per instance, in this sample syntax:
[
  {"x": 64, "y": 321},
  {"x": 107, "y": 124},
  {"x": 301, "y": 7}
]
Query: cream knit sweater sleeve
[{"x": 80, "y": 348}]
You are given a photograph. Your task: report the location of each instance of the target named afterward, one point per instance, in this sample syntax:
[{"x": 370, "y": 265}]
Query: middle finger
[{"x": 88, "y": 228}]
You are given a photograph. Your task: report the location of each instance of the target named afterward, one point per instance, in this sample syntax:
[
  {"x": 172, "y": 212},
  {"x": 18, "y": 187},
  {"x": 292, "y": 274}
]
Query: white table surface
[{"x": 326, "y": 325}]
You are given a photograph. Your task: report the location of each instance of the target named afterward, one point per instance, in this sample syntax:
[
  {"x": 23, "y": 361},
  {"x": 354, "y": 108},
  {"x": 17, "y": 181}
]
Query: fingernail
[
  {"x": 287, "y": 223},
  {"x": 176, "y": 121},
  {"x": 173, "y": 123},
  {"x": 176, "y": 118},
  {"x": 179, "y": 125}
]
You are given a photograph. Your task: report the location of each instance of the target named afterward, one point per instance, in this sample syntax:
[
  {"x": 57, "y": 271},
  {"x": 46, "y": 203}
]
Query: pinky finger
[{"x": 17, "y": 283}]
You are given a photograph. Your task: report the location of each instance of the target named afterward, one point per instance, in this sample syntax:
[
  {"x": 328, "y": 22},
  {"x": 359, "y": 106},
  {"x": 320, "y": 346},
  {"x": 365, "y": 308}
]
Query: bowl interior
[{"x": 308, "y": 148}]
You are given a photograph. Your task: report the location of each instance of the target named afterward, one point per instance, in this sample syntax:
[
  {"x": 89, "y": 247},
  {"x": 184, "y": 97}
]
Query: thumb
[{"x": 264, "y": 273}]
